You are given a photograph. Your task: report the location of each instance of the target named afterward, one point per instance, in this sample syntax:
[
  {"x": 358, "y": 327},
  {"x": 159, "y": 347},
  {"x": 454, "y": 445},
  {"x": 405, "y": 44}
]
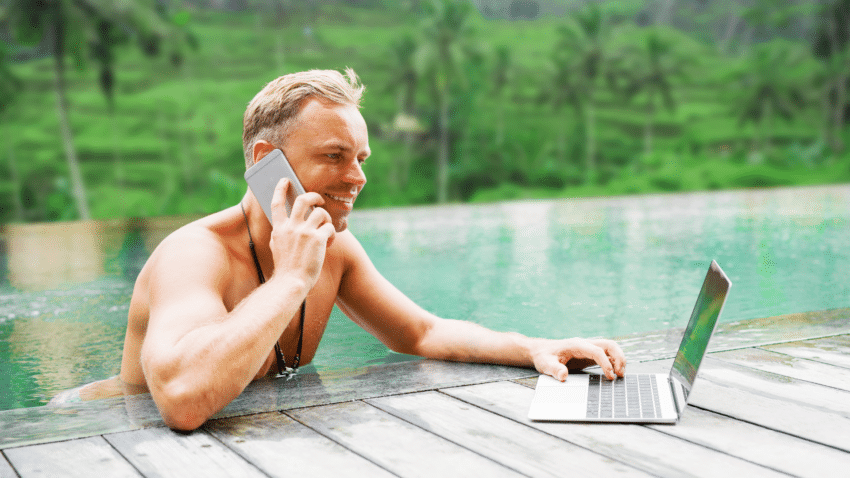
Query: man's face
[{"x": 327, "y": 148}]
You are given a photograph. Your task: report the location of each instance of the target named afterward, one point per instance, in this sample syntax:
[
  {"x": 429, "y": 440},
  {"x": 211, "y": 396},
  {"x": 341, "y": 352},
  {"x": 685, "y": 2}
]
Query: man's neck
[{"x": 259, "y": 228}]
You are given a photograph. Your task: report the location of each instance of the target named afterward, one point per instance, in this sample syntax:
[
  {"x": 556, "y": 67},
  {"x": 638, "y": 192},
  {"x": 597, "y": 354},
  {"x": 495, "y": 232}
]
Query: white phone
[{"x": 263, "y": 177}]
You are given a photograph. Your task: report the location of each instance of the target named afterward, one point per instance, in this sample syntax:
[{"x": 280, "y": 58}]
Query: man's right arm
[{"x": 197, "y": 356}]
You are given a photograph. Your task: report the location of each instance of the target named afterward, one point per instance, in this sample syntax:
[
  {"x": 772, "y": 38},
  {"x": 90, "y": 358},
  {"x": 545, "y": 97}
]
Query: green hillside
[{"x": 172, "y": 145}]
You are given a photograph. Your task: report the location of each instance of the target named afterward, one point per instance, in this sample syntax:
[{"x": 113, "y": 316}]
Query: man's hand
[
  {"x": 557, "y": 357},
  {"x": 299, "y": 242}
]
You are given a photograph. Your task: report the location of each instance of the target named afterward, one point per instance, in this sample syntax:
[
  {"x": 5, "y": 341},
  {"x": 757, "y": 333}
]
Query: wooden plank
[
  {"x": 163, "y": 452},
  {"x": 47, "y": 424},
  {"x": 782, "y": 364},
  {"x": 6, "y": 470},
  {"x": 311, "y": 389},
  {"x": 282, "y": 447},
  {"x": 756, "y": 444},
  {"x": 84, "y": 458},
  {"x": 500, "y": 439},
  {"x": 394, "y": 444},
  {"x": 831, "y": 350},
  {"x": 640, "y": 446},
  {"x": 793, "y": 418},
  {"x": 776, "y": 386},
  {"x": 29, "y": 426}
]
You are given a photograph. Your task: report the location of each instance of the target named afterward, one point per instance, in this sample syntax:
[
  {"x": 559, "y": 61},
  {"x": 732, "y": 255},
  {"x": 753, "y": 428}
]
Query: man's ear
[{"x": 261, "y": 149}]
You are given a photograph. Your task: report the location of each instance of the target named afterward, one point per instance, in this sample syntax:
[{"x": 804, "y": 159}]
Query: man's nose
[{"x": 355, "y": 174}]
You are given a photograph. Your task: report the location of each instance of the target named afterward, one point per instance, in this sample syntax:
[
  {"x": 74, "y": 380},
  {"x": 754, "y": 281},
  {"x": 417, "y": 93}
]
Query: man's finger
[
  {"x": 328, "y": 230},
  {"x": 279, "y": 211},
  {"x": 615, "y": 355},
  {"x": 305, "y": 204},
  {"x": 318, "y": 217},
  {"x": 599, "y": 356},
  {"x": 555, "y": 368}
]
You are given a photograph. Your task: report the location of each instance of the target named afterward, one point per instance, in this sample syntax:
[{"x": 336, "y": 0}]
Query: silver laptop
[{"x": 638, "y": 398}]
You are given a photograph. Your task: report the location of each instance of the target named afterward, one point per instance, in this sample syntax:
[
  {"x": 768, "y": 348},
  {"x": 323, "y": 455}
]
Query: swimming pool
[{"x": 555, "y": 268}]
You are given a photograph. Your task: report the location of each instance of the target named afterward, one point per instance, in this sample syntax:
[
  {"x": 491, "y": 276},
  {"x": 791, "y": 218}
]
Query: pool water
[{"x": 558, "y": 268}]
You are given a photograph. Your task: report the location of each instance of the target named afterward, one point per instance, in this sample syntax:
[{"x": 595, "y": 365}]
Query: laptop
[{"x": 637, "y": 398}]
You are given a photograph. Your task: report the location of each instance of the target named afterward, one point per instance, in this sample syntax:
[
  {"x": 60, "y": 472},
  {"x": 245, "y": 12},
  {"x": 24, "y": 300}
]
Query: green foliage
[{"x": 514, "y": 110}]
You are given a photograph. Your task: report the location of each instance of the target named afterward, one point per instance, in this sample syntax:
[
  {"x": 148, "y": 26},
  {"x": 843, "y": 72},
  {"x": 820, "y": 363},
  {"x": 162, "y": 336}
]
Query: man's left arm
[{"x": 375, "y": 304}]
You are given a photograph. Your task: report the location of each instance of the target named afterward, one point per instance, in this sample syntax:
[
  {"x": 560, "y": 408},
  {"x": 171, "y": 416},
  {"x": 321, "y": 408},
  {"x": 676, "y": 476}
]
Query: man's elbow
[
  {"x": 179, "y": 401},
  {"x": 179, "y": 407},
  {"x": 420, "y": 343}
]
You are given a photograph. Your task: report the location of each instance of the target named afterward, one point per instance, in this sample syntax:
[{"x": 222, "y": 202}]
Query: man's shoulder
[
  {"x": 196, "y": 241},
  {"x": 348, "y": 250}
]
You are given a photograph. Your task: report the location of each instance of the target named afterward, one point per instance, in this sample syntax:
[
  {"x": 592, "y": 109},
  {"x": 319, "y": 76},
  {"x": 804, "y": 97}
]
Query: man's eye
[{"x": 333, "y": 155}]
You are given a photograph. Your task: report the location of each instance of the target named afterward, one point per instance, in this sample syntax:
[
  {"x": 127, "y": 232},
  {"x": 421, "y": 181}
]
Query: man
[{"x": 218, "y": 296}]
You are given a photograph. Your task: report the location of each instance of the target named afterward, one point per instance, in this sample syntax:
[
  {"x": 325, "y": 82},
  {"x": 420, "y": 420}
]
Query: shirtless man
[{"x": 203, "y": 325}]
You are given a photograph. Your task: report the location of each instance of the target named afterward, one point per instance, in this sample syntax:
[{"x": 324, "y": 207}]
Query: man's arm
[
  {"x": 374, "y": 303},
  {"x": 197, "y": 356}
]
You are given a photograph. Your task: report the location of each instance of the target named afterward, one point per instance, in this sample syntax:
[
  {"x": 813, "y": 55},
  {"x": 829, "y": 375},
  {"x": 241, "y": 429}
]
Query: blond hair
[{"x": 273, "y": 113}]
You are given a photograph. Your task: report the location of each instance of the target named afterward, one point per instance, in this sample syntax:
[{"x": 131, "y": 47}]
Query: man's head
[
  {"x": 313, "y": 118},
  {"x": 274, "y": 111}
]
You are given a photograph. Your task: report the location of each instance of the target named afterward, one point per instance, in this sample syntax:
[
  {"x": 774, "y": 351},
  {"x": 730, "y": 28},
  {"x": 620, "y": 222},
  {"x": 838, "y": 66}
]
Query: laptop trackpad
[{"x": 555, "y": 400}]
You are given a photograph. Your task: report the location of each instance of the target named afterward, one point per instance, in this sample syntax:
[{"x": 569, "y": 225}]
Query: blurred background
[{"x": 133, "y": 108}]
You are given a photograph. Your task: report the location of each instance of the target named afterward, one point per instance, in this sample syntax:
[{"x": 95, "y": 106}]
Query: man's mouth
[
  {"x": 345, "y": 199},
  {"x": 341, "y": 199}
]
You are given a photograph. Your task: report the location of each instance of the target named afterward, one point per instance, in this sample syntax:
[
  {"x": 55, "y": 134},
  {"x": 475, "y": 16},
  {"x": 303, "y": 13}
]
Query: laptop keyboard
[{"x": 635, "y": 396}]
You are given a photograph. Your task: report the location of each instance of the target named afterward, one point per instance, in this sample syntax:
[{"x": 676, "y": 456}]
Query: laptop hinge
[{"x": 675, "y": 397}]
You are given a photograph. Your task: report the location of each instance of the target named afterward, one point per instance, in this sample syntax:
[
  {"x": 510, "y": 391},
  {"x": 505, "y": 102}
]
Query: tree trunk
[
  {"x": 838, "y": 112},
  {"x": 766, "y": 126},
  {"x": 443, "y": 150},
  {"x": 590, "y": 143},
  {"x": 648, "y": 126},
  {"x": 16, "y": 181},
  {"x": 77, "y": 184},
  {"x": 836, "y": 122},
  {"x": 118, "y": 162}
]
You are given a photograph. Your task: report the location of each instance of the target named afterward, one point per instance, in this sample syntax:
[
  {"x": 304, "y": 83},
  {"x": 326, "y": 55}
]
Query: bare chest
[{"x": 318, "y": 306}]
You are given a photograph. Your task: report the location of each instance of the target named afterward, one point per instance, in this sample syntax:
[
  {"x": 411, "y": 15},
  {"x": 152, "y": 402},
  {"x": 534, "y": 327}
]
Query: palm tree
[
  {"x": 88, "y": 29},
  {"x": 581, "y": 57},
  {"x": 445, "y": 44},
  {"x": 501, "y": 78},
  {"x": 775, "y": 82},
  {"x": 832, "y": 46},
  {"x": 649, "y": 69},
  {"x": 9, "y": 86},
  {"x": 404, "y": 81}
]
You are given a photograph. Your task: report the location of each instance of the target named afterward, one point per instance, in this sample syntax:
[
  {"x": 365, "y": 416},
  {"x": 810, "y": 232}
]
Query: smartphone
[{"x": 263, "y": 177}]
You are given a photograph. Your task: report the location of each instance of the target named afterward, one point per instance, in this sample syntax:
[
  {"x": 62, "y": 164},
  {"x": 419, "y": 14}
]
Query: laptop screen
[{"x": 701, "y": 326}]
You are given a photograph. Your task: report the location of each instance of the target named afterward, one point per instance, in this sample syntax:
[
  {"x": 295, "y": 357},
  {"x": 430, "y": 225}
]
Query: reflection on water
[{"x": 563, "y": 268}]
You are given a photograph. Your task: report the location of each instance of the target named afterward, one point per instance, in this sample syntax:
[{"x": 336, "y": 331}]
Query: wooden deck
[{"x": 772, "y": 398}]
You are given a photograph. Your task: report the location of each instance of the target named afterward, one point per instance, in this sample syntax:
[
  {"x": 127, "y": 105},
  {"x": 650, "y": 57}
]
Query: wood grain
[
  {"x": 498, "y": 438},
  {"x": 84, "y": 458},
  {"x": 394, "y": 444},
  {"x": 831, "y": 350},
  {"x": 650, "y": 450},
  {"x": 778, "y": 363},
  {"x": 164, "y": 453},
  {"x": 6, "y": 470},
  {"x": 282, "y": 447},
  {"x": 799, "y": 420},
  {"x": 765, "y": 447},
  {"x": 775, "y": 385}
]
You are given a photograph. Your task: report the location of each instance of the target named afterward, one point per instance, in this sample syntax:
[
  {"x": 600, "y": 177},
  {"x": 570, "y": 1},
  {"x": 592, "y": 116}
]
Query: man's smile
[{"x": 348, "y": 198}]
